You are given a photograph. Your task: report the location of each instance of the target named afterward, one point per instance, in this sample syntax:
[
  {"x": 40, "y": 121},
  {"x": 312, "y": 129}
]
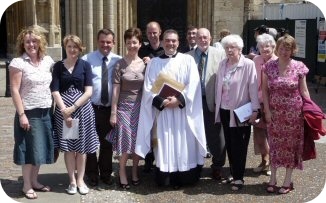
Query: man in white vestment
[{"x": 178, "y": 139}]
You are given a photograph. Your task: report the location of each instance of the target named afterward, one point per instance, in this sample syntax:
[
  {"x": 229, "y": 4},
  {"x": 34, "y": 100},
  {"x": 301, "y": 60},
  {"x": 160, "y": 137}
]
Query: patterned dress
[
  {"x": 71, "y": 86},
  {"x": 123, "y": 135},
  {"x": 286, "y": 129}
]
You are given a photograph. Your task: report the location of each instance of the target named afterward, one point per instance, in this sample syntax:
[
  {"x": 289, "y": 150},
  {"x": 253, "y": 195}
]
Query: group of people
[{"x": 103, "y": 102}]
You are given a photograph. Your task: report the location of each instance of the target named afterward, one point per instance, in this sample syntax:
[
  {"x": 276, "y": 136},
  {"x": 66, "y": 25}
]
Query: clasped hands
[
  {"x": 66, "y": 112},
  {"x": 171, "y": 102}
]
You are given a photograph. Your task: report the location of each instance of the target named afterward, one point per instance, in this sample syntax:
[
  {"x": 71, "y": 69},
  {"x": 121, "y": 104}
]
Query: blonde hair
[
  {"x": 289, "y": 42},
  {"x": 41, "y": 40},
  {"x": 75, "y": 39}
]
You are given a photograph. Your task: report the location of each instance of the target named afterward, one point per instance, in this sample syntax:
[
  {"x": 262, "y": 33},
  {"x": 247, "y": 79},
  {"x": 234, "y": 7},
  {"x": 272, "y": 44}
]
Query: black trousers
[
  {"x": 214, "y": 138},
  {"x": 103, "y": 165},
  {"x": 236, "y": 141}
]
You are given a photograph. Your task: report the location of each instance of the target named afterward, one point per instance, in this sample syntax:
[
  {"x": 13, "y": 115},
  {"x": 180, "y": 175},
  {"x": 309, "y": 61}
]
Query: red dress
[{"x": 285, "y": 132}]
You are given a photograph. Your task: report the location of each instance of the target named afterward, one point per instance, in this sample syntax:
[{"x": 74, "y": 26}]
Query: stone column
[
  {"x": 51, "y": 24},
  {"x": 34, "y": 12},
  {"x": 73, "y": 17},
  {"x": 99, "y": 14},
  {"x": 79, "y": 20},
  {"x": 67, "y": 16},
  {"x": 89, "y": 25}
]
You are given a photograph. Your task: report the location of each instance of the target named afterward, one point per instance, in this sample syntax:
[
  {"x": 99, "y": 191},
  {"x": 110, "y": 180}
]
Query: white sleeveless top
[{"x": 35, "y": 83}]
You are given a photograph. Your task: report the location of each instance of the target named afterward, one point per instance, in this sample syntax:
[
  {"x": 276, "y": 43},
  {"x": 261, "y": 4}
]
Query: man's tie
[
  {"x": 105, "y": 81},
  {"x": 201, "y": 64}
]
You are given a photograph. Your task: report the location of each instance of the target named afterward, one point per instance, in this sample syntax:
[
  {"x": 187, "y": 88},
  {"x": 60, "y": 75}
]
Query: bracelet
[
  {"x": 113, "y": 113},
  {"x": 21, "y": 114}
]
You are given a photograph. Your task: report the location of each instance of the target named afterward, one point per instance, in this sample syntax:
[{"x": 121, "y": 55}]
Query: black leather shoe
[
  {"x": 93, "y": 181},
  {"x": 107, "y": 180},
  {"x": 216, "y": 174},
  {"x": 208, "y": 155},
  {"x": 147, "y": 168}
]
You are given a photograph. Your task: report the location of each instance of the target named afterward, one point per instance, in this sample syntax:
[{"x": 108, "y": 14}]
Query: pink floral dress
[{"x": 285, "y": 132}]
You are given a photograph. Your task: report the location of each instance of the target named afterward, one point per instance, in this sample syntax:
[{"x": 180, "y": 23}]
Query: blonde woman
[
  {"x": 30, "y": 78},
  {"x": 71, "y": 88}
]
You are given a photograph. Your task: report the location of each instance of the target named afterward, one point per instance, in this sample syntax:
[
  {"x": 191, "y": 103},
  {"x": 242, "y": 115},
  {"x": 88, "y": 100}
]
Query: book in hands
[
  {"x": 244, "y": 112},
  {"x": 168, "y": 90},
  {"x": 164, "y": 78}
]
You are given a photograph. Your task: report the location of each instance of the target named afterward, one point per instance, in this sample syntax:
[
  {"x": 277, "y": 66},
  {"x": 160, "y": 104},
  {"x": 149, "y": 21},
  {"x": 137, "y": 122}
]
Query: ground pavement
[{"x": 308, "y": 183}]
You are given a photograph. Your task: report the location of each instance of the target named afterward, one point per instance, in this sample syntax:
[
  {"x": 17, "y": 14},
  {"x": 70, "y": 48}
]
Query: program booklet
[
  {"x": 243, "y": 112},
  {"x": 71, "y": 133}
]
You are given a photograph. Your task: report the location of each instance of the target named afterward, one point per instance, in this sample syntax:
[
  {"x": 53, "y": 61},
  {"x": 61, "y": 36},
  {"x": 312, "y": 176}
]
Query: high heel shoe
[
  {"x": 124, "y": 186},
  {"x": 135, "y": 182},
  {"x": 286, "y": 190}
]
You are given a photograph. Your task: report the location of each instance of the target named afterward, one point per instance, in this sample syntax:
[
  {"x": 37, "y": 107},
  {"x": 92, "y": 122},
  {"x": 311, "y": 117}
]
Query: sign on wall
[
  {"x": 321, "y": 55},
  {"x": 300, "y": 37}
]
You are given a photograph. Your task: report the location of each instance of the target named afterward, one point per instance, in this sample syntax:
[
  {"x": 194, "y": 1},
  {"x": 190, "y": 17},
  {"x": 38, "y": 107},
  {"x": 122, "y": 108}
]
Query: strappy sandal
[
  {"x": 286, "y": 190},
  {"x": 271, "y": 188}
]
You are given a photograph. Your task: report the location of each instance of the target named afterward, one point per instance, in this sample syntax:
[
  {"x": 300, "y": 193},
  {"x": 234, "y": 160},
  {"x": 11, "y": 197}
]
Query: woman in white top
[{"x": 30, "y": 78}]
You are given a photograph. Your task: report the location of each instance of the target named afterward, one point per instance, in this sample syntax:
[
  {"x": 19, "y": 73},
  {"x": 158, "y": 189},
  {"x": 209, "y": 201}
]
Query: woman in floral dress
[{"x": 284, "y": 85}]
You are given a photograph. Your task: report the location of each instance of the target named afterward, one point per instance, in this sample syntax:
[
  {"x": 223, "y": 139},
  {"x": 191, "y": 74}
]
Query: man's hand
[
  {"x": 146, "y": 59},
  {"x": 173, "y": 102}
]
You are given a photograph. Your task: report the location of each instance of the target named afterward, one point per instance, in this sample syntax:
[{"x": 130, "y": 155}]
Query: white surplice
[{"x": 181, "y": 142}]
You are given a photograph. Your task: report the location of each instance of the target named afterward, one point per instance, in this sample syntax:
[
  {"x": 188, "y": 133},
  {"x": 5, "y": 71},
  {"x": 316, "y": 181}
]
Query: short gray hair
[
  {"x": 265, "y": 39},
  {"x": 232, "y": 39}
]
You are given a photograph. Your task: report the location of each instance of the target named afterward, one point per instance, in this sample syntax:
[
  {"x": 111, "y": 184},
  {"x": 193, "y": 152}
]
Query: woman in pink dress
[{"x": 284, "y": 85}]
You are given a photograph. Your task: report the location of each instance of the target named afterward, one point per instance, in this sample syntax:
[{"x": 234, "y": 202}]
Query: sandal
[
  {"x": 271, "y": 188},
  {"x": 43, "y": 188},
  {"x": 135, "y": 182},
  {"x": 124, "y": 186},
  {"x": 30, "y": 194},
  {"x": 286, "y": 190},
  {"x": 237, "y": 185}
]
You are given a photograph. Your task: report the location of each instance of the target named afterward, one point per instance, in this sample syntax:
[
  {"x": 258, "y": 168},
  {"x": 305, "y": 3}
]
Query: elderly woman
[
  {"x": 30, "y": 77},
  {"x": 236, "y": 85},
  {"x": 266, "y": 45},
  {"x": 284, "y": 85},
  {"x": 71, "y": 88}
]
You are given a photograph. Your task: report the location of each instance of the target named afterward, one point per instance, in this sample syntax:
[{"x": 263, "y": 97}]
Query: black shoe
[
  {"x": 135, "y": 182},
  {"x": 124, "y": 186},
  {"x": 93, "y": 181},
  {"x": 208, "y": 155},
  {"x": 216, "y": 174},
  {"x": 147, "y": 168},
  {"x": 107, "y": 180},
  {"x": 176, "y": 187}
]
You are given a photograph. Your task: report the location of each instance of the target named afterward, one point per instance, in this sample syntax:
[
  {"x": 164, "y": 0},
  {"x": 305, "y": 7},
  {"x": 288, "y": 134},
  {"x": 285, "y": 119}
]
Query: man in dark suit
[
  {"x": 207, "y": 59},
  {"x": 191, "y": 40}
]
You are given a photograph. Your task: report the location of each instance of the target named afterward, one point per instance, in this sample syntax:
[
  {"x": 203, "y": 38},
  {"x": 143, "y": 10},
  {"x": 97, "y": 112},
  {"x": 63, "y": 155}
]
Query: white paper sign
[
  {"x": 71, "y": 133},
  {"x": 300, "y": 37}
]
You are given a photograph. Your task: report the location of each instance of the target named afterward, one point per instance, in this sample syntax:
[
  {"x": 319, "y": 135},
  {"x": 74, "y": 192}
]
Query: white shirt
[{"x": 35, "y": 83}]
